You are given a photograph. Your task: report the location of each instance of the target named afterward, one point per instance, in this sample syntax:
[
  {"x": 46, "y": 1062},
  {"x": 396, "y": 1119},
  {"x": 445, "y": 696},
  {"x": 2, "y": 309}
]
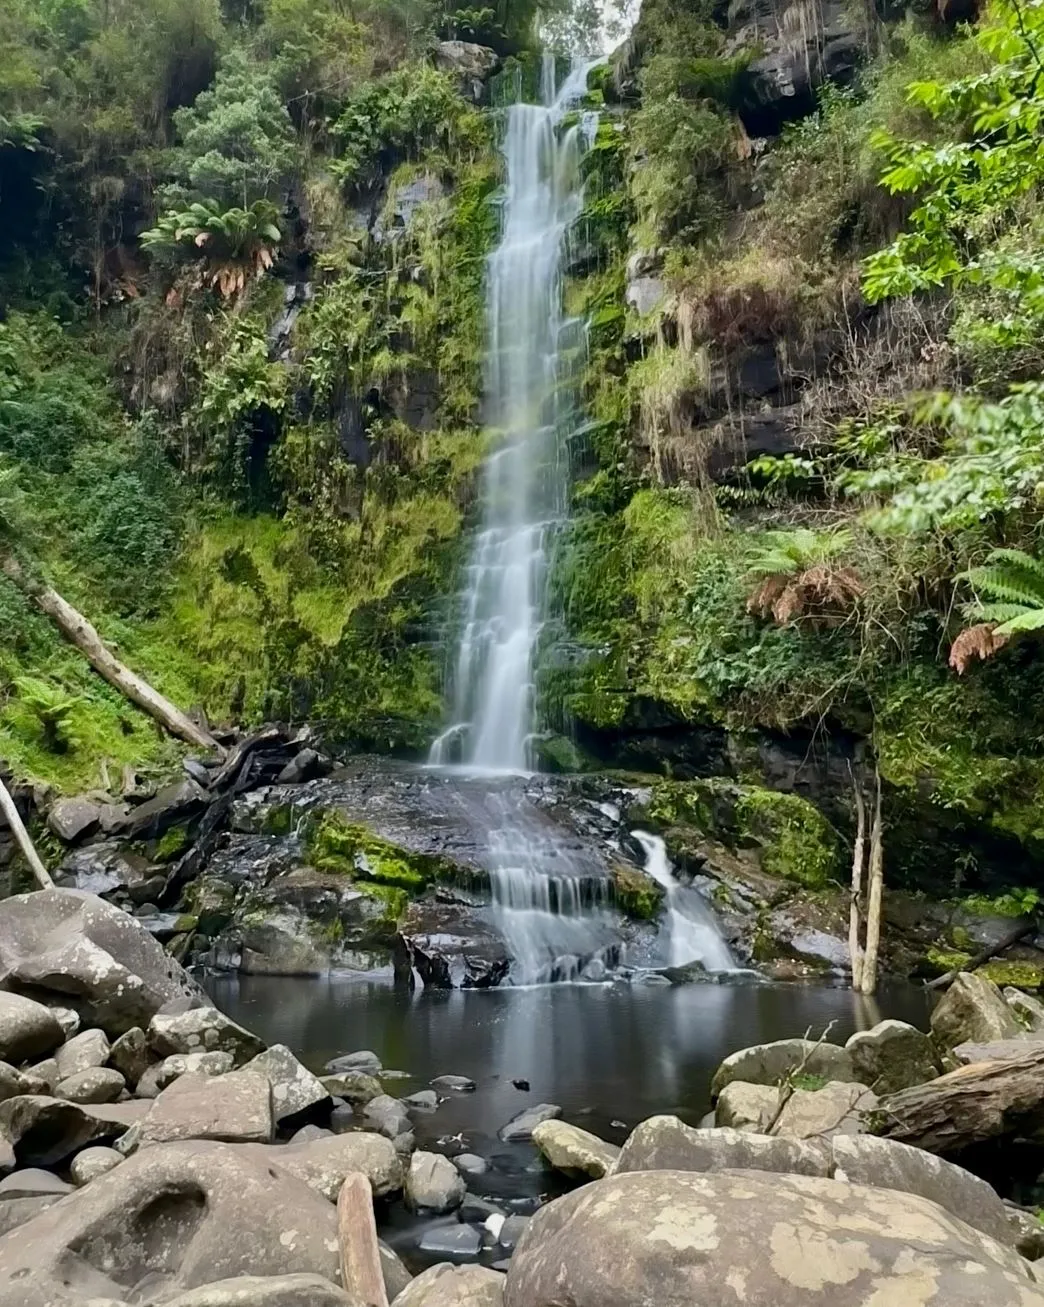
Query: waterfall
[
  {"x": 525, "y": 484},
  {"x": 553, "y": 917},
  {"x": 691, "y": 930}
]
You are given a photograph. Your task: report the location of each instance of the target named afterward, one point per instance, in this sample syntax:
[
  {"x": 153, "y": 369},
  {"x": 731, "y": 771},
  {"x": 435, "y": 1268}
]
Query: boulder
[
  {"x": 324, "y": 1163},
  {"x": 46, "y": 1130},
  {"x": 767, "y": 1064},
  {"x": 885, "y": 1164},
  {"x": 93, "y": 1162},
  {"x": 354, "y": 1087},
  {"x": 235, "y": 1108},
  {"x": 202, "y": 1030},
  {"x": 27, "y": 1029},
  {"x": 16, "y": 1211},
  {"x": 99, "y": 1084},
  {"x": 892, "y": 1056},
  {"x": 294, "y": 1088},
  {"x": 471, "y": 1164},
  {"x": 424, "y": 1100},
  {"x": 362, "y": 1060},
  {"x": 573, "y": 1151},
  {"x": 105, "y": 964},
  {"x": 387, "y": 1116},
  {"x": 746, "y": 1107},
  {"x": 396, "y": 1276},
  {"x": 1027, "y": 1231},
  {"x": 33, "y": 1183},
  {"x": 172, "y": 804},
  {"x": 454, "y": 1286},
  {"x": 997, "y": 1050},
  {"x": 82, "y": 1053},
  {"x": 521, "y": 1127},
  {"x": 674, "y": 1239},
  {"x": 14, "y": 1082},
  {"x": 835, "y": 1109},
  {"x": 973, "y": 1010},
  {"x": 470, "y": 64},
  {"x": 44, "y": 1073},
  {"x": 1028, "y": 1011},
  {"x": 175, "y": 1217},
  {"x": 267, "y": 1291},
  {"x": 433, "y": 1184},
  {"x": 164, "y": 1073},
  {"x": 130, "y": 1055},
  {"x": 664, "y": 1143},
  {"x": 75, "y": 818}
]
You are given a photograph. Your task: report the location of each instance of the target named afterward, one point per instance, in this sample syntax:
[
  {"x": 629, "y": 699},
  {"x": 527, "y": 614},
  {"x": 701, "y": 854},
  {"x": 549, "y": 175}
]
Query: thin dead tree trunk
[
  {"x": 873, "y": 908},
  {"x": 855, "y": 921},
  {"x": 25, "y": 843},
  {"x": 78, "y": 631}
]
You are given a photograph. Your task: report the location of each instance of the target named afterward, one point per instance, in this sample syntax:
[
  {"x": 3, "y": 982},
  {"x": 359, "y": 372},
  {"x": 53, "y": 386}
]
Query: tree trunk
[
  {"x": 361, "y": 1272},
  {"x": 78, "y": 631},
  {"x": 855, "y": 951},
  {"x": 1018, "y": 931},
  {"x": 868, "y": 980},
  {"x": 7, "y": 807}
]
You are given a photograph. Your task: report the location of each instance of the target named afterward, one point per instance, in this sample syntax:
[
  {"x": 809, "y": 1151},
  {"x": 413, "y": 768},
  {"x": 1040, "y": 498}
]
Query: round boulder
[
  {"x": 433, "y": 1183},
  {"x": 676, "y": 1239},
  {"x": 454, "y": 1286}
]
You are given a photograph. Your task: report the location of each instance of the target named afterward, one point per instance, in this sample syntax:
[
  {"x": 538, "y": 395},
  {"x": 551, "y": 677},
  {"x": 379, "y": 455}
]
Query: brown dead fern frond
[{"x": 979, "y": 641}]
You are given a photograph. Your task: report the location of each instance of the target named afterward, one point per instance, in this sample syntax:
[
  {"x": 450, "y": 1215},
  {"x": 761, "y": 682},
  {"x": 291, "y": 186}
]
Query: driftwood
[
  {"x": 361, "y": 1273},
  {"x": 22, "y": 838},
  {"x": 78, "y": 631},
  {"x": 1020, "y": 930},
  {"x": 855, "y": 915},
  {"x": 875, "y": 876},
  {"x": 229, "y": 769},
  {"x": 983, "y": 1101}
]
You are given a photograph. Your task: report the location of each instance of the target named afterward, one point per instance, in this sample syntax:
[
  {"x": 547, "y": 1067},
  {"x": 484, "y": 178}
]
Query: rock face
[
  {"x": 973, "y": 1010},
  {"x": 219, "y": 1213},
  {"x": 433, "y": 1183},
  {"x": 663, "y": 1143},
  {"x": 766, "y": 1064},
  {"x": 892, "y": 1056},
  {"x": 27, "y": 1029},
  {"x": 836, "y": 1109},
  {"x": 885, "y": 1164},
  {"x": 202, "y": 1030},
  {"x": 470, "y": 64},
  {"x": 108, "y": 967},
  {"x": 454, "y": 1286},
  {"x": 294, "y": 1088},
  {"x": 675, "y": 1239},
  {"x": 574, "y": 1151},
  {"x": 236, "y": 1108}
]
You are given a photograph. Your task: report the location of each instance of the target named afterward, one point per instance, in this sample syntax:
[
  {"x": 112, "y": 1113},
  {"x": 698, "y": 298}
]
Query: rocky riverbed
[{"x": 154, "y": 1151}]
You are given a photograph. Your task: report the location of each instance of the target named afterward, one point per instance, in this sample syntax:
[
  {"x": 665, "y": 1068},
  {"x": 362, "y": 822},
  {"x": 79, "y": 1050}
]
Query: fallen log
[
  {"x": 361, "y": 1272},
  {"x": 985, "y": 1100},
  {"x": 23, "y": 839},
  {"x": 1022, "y": 928}
]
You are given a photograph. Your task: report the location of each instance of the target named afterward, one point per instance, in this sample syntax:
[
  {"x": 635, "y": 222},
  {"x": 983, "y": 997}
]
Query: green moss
[
  {"x": 1022, "y": 975},
  {"x": 338, "y": 845},
  {"x": 795, "y": 839},
  {"x": 171, "y": 844},
  {"x": 278, "y": 819},
  {"x": 394, "y": 900},
  {"x": 186, "y": 923},
  {"x": 636, "y": 894},
  {"x": 809, "y": 1082}
]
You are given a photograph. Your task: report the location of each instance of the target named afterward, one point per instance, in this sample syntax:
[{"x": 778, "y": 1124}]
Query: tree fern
[
  {"x": 1009, "y": 591},
  {"x": 786, "y": 553}
]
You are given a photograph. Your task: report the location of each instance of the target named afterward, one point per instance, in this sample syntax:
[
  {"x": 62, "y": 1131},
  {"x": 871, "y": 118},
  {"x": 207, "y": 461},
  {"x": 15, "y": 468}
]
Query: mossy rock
[
  {"x": 338, "y": 845},
  {"x": 637, "y": 895},
  {"x": 212, "y": 903},
  {"x": 171, "y": 845},
  {"x": 795, "y": 840},
  {"x": 1021, "y": 975}
]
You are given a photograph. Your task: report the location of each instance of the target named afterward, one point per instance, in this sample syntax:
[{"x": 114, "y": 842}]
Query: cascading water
[
  {"x": 691, "y": 931},
  {"x": 551, "y": 915}
]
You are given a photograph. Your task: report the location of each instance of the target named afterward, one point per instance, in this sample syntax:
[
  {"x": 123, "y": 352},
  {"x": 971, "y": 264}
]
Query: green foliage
[
  {"x": 338, "y": 845},
  {"x": 227, "y": 237},
  {"x": 1013, "y": 585},
  {"x": 52, "y": 707},
  {"x": 637, "y": 895},
  {"x": 1020, "y": 901},
  {"x": 797, "y": 842},
  {"x": 787, "y": 553}
]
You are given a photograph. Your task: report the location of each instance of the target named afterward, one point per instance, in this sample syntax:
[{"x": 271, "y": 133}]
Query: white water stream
[{"x": 692, "y": 932}]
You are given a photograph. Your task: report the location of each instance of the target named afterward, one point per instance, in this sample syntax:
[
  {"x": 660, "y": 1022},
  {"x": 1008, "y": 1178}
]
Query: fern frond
[
  {"x": 1008, "y": 585},
  {"x": 1032, "y": 620}
]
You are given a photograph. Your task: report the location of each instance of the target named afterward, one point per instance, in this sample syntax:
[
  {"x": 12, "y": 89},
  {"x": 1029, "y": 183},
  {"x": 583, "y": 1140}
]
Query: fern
[
  {"x": 1009, "y": 600},
  {"x": 786, "y": 553}
]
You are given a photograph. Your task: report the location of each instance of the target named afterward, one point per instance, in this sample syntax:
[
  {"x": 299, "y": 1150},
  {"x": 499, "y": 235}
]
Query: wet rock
[
  {"x": 76, "y": 818},
  {"x": 202, "y": 1030},
  {"x": 837, "y": 1108},
  {"x": 294, "y": 1088},
  {"x": 27, "y": 1029},
  {"x": 521, "y": 1127},
  {"x": 449, "y": 946},
  {"x": 171, "y": 805},
  {"x": 433, "y": 1184},
  {"x": 324, "y": 1163},
  {"x": 44, "y": 1131},
  {"x": 674, "y": 1239},
  {"x": 233, "y": 1108},
  {"x": 96, "y": 1085},
  {"x": 1028, "y": 1011},
  {"x": 472, "y": 65},
  {"x": 892, "y": 1056},
  {"x": 646, "y": 294},
  {"x": 425, "y": 1100},
  {"x": 364, "y": 1060},
  {"x": 82, "y": 1053},
  {"x": 130, "y": 1055},
  {"x": 33, "y": 1183},
  {"x": 98, "y": 958},
  {"x": 664, "y": 1143},
  {"x": 106, "y": 868},
  {"x": 177, "y": 1215},
  {"x": 454, "y": 1286},
  {"x": 973, "y": 1010},
  {"x": 477, "y": 1211},
  {"x": 387, "y": 1116},
  {"x": 460, "y": 1242},
  {"x": 887, "y": 1164},
  {"x": 512, "y": 1231},
  {"x": 454, "y": 1084},
  {"x": 573, "y": 1151},
  {"x": 746, "y": 1107},
  {"x": 353, "y": 1086},
  {"x": 93, "y": 1162},
  {"x": 767, "y": 1064},
  {"x": 471, "y": 1164},
  {"x": 304, "y": 766},
  {"x": 302, "y": 1290},
  {"x": 1027, "y": 1231}
]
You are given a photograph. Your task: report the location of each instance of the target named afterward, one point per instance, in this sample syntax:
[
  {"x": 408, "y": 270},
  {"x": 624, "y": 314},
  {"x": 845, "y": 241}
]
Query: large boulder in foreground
[
  {"x": 268, "y": 1291},
  {"x": 44, "y": 1130},
  {"x": 676, "y": 1239},
  {"x": 454, "y": 1286},
  {"x": 233, "y": 1108},
  {"x": 973, "y": 1010},
  {"x": 175, "y": 1216},
  {"x": 105, "y": 964},
  {"x": 767, "y": 1064}
]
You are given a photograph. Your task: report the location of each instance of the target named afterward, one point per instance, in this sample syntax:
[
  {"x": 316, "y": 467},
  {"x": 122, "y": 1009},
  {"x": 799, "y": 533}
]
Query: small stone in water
[
  {"x": 471, "y": 1164},
  {"x": 521, "y": 1084},
  {"x": 511, "y": 1231},
  {"x": 457, "y": 1084},
  {"x": 521, "y": 1127},
  {"x": 494, "y": 1224},
  {"x": 478, "y": 1210},
  {"x": 364, "y": 1060},
  {"x": 426, "y": 1100},
  {"x": 455, "y": 1241}
]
